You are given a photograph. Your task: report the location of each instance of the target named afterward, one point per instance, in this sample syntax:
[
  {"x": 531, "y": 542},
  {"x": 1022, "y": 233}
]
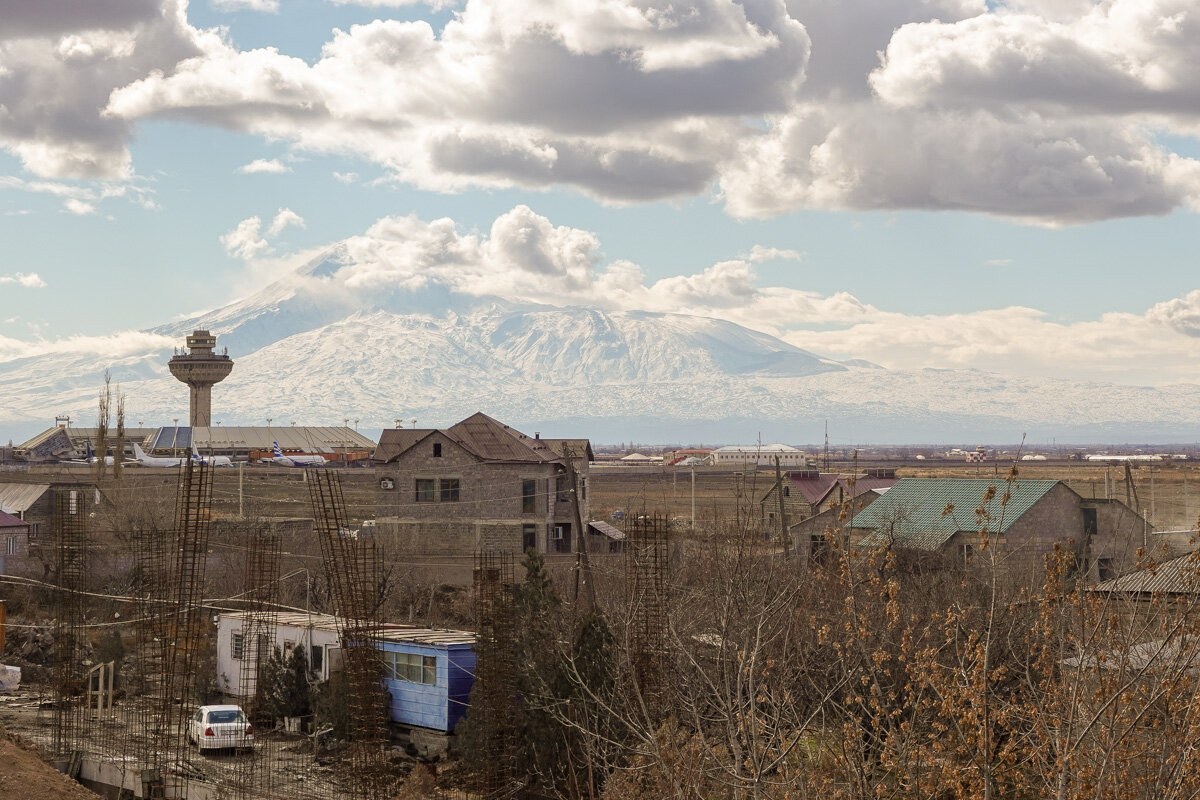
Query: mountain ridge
[{"x": 310, "y": 348}]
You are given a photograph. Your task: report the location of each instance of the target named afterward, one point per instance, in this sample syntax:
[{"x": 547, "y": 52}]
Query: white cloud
[
  {"x": 524, "y": 257},
  {"x": 29, "y": 280},
  {"x": 263, "y": 165},
  {"x": 759, "y": 253},
  {"x": 434, "y": 4},
  {"x": 61, "y": 61},
  {"x": 267, "y": 6},
  {"x": 283, "y": 219},
  {"x": 625, "y": 100},
  {"x": 84, "y": 198},
  {"x": 81, "y": 207},
  {"x": 1046, "y": 111},
  {"x": 115, "y": 345},
  {"x": 245, "y": 241},
  {"x": 345, "y": 177}
]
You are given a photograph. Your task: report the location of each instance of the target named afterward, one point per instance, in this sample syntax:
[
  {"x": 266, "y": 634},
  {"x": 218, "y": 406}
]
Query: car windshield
[{"x": 225, "y": 716}]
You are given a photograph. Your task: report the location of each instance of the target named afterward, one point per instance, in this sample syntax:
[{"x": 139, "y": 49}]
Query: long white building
[{"x": 761, "y": 455}]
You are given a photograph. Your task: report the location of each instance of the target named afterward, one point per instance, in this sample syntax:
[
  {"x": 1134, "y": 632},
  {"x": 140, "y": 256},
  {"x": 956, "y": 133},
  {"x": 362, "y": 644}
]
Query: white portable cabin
[{"x": 315, "y": 633}]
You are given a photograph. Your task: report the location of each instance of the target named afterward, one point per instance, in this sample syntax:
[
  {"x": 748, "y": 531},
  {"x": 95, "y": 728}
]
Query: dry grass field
[{"x": 1168, "y": 492}]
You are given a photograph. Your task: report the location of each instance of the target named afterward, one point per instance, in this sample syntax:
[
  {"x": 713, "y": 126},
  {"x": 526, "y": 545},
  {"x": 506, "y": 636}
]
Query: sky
[{"x": 1004, "y": 186}]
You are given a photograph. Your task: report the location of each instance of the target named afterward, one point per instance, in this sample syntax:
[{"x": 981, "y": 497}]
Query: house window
[
  {"x": 236, "y": 644},
  {"x": 412, "y": 667},
  {"x": 560, "y": 538},
  {"x": 425, "y": 490},
  {"x": 288, "y": 645},
  {"x": 528, "y": 497},
  {"x": 437, "y": 449},
  {"x": 966, "y": 552},
  {"x": 316, "y": 658},
  {"x": 787, "y": 491},
  {"x": 528, "y": 537},
  {"x": 264, "y": 646},
  {"x": 1090, "y": 526},
  {"x": 1106, "y": 569},
  {"x": 583, "y": 488},
  {"x": 448, "y": 490},
  {"x": 11, "y": 547}
]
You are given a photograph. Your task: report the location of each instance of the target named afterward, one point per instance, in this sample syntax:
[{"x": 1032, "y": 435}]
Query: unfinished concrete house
[{"x": 480, "y": 484}]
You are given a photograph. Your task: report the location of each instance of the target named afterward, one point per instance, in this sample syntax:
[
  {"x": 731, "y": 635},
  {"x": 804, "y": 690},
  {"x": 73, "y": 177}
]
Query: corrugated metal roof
[
  {"x": 305, "y": 438},
  {"x": 415, "y": 634},
  {"x": 914, "y": 509},
  {"x": 1177, "y": 576},
  {"x": 607, "y": 530},
  {"x": 17, "y": 498}
]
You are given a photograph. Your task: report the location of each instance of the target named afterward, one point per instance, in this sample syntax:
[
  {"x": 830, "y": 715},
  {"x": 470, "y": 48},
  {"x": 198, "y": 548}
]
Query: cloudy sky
[{"x": 1010, "y": 186}]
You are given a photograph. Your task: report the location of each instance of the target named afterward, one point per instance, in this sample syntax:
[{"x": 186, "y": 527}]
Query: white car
[{"x": 217, "y": 727}]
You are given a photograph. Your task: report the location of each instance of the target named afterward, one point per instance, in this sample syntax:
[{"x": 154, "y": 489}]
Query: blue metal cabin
[{"x": 428, "y": 675}]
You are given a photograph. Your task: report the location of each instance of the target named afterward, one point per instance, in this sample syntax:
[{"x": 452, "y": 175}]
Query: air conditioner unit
[{"x": 558, "y": 532}]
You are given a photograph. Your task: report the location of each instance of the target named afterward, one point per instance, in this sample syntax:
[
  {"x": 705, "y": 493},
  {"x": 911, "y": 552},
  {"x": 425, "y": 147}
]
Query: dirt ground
[{"x": 24, "y": 775}]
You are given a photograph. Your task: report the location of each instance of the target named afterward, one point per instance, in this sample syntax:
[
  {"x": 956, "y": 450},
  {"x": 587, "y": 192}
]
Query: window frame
[
  {"x": 424, "y": 490},
  {"x": 237, "y": 645},
  {"x": 529, "y": 495},
  {"x": 449, "y": 490},
  {"x": 415, "y": 668},
  {"x": 11, "y": 546}
]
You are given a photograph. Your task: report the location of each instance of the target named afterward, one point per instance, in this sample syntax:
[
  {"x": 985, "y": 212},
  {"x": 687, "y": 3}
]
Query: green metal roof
[{"x": 914, "y": 510}]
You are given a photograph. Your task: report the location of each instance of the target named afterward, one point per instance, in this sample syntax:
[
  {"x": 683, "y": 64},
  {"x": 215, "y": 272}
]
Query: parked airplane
[
  {"x": 212, "y": 461},
  {"x": 154, "y": 461},
  {"x": 90, "y": 457},
  {"x": 296, "y": 461}
]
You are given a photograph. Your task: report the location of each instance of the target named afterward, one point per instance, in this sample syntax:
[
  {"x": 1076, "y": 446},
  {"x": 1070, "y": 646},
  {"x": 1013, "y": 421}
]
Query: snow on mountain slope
[{"x": 309, "y": 349}]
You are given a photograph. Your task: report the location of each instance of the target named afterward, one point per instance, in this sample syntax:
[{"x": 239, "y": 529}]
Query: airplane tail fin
[
  {"x": 90, "y": 452},
  {"x": 278, "y": 452},
  {"x": 137, "y": 451}
]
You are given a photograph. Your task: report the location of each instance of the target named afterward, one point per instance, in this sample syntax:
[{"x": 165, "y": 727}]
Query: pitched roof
[
  {"x": 816, "y": 488},
  {"x": 394, "y": 441},
  {"x": 9, "y": 521},
  {"x": 488, "y": 440},
  {"x": 580, "y": 448},
  {"x": 492, "y": 440},
  {"x": 913, "y": 511},
  {"x": 19, "y": 497},
  {"x": 1177, "y": 576}
]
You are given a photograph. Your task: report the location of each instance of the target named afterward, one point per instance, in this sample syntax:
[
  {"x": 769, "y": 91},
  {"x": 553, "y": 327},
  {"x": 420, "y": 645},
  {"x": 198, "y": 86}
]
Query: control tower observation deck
[{"x": 199, "y": 367}]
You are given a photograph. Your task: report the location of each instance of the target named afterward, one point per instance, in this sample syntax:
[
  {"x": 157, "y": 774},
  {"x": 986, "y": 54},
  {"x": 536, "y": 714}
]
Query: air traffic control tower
[{"x": 199, "y": 367}]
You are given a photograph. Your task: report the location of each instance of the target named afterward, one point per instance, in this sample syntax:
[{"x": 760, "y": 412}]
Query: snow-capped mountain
[{"x": 310, "y": 350}]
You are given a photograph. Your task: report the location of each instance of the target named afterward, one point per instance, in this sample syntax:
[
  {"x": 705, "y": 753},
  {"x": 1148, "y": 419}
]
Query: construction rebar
[
  {"x": 494, "y": 701},
  {"x": 646, "y": 551},
  {"x": 352, "y": 570},
  {"x": 260, "y": 596},
  {"x": 70, "y": 565}
]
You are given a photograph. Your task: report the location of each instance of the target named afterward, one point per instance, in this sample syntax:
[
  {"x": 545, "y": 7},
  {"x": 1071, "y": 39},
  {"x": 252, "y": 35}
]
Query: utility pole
[
  {"x": 241, "y": 506},
  {"x": 693, "y": 498},
  {"x": 582, "y": 564},
  {"x": 825, "y": 466},
  {"x": 783, "y": 527}
]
